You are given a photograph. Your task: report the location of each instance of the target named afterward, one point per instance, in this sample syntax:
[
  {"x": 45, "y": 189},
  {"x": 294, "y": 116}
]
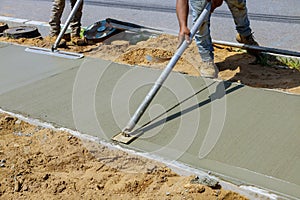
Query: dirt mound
[
  {"x": 40, "y": 163},
  {"x": 234, "y": 64},
  {"x": 154, "y": 58}
]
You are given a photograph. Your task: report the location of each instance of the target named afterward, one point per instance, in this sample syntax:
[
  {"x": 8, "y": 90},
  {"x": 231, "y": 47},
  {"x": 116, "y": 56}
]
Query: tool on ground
[
  {"x": 127, "y": 135},
  {"x": 54, "y": 51},
  {"x": 3, "y": 26},
  {"x": 129, "y": 26},
  {"x": 101, "y": 30},
  {"x": 258, "y": 48},
  {"x": 22, "y": 32}
]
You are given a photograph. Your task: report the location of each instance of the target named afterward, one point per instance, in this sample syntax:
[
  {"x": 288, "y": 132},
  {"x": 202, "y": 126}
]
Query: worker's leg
[
  {"x": 240, "y": 15},
  {"x": 56, "y": 13},
  {"x": 76, "y": 21},
  {"x": 202, "y": 37},
  {"x": 204, "y": 42}
]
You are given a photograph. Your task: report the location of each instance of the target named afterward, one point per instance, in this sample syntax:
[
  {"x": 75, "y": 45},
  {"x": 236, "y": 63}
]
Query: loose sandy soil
[{"x": 40, "y": 163}]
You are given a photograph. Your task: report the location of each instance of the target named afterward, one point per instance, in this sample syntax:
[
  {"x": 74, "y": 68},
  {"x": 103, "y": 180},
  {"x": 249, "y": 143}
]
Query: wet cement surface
[
  {"x": 242, "y": 134},
  {"x": 20, "y": 68}
]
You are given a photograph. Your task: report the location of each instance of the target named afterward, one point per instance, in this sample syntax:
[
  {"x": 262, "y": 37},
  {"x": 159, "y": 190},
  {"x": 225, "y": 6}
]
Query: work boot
[
  {"x": 208, "y": 70},
  {"x": 249, "y": 40},
  {"x": 62, "y": 43},
  {"x": 246, "y": 39},
  {"x": 77, "y": 40}
]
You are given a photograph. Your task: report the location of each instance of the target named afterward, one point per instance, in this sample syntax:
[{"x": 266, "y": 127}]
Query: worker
[
  {"x": 55, "y": 21},
  {"x": 203, "y": 39}
]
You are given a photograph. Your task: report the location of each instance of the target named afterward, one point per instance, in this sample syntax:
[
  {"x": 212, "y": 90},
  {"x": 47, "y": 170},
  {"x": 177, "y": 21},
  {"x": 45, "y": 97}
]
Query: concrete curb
[{"x": 23, "y": 21}]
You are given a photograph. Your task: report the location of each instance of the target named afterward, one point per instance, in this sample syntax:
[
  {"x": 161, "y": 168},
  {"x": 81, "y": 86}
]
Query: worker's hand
[
  {"x": 215, "y": 4},
  {"x": 184, "y": 34}
]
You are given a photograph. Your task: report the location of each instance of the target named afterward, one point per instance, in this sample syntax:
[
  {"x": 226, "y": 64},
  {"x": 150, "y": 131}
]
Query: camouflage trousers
[{"x": 56, "y": 14}]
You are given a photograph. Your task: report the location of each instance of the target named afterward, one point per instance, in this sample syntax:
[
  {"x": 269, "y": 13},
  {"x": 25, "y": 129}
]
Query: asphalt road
[{"x": 275, "y": 23}]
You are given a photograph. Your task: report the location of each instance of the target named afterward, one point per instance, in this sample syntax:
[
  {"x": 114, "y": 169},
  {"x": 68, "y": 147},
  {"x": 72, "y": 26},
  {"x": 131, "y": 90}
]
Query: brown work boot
[
  {"x": 76, "y": 40},
  {"x": 246, "y": 39},
  {"x": 249, "y": 40},
  {"x": 62, "y": 43},
  {"x": 208, "y": 70}
]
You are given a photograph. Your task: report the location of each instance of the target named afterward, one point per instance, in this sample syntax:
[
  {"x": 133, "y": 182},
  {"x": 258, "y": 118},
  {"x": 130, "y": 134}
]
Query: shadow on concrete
[{"x": 219, "y": 93}]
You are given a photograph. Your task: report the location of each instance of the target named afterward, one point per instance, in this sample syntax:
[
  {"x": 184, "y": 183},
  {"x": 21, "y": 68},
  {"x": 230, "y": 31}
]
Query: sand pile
[{"x": 40, "y": 163}]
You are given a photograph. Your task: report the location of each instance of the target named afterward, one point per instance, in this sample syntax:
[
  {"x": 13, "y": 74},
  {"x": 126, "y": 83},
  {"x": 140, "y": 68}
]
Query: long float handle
[{"x": 159, "y": 82}]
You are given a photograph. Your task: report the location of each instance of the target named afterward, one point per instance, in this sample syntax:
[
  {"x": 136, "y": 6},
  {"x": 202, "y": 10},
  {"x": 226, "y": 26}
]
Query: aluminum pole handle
[
  {"x": 62, "y": 32},
  {"x": 147, "y": 100}
]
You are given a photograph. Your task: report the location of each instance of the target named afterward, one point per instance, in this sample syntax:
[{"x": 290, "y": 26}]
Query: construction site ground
[
  {"x": 40, "y": 163},
  {"x": 249, "y": 121}
]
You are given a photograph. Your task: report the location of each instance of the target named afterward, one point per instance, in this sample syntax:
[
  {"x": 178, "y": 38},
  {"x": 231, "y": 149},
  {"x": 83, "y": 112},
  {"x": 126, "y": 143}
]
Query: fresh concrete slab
[
  {"x": 246, "y": 135},
  {"x": 19, "y": 68},
  {"x": 4, "y": 45}
]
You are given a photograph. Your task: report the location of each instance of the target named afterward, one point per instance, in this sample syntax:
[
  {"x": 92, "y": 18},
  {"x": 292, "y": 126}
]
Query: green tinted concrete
[
  {"x": 242, "y": 134},
  {"x": 20, "y": 68}
]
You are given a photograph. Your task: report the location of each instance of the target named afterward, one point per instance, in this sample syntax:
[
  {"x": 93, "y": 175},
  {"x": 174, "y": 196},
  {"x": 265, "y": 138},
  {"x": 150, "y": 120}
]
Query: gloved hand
[{"x": 215, "y": 4}]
